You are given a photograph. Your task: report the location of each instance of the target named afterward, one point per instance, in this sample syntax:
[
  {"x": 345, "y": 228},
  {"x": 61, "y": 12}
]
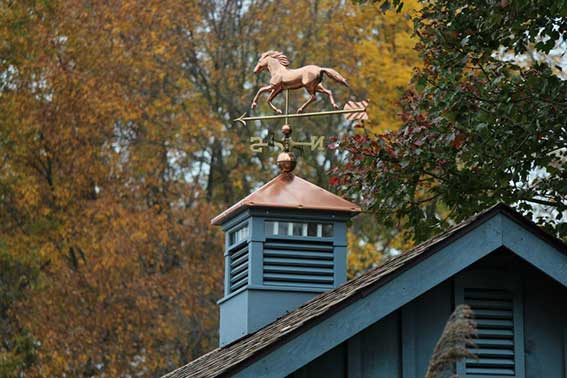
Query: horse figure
[{"x": 308, "y": 77}]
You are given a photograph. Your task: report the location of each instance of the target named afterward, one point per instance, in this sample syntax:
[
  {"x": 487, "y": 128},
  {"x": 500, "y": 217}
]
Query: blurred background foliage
[{"x": 116, "y": 150}]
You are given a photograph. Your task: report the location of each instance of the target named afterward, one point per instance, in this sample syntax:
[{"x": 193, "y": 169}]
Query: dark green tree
[{"x": 484, "y": 121}]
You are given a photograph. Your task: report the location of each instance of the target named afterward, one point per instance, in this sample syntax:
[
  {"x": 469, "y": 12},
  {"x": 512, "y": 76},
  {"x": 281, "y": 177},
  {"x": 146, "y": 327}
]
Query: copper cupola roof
[{"x": 290, "y": 192}]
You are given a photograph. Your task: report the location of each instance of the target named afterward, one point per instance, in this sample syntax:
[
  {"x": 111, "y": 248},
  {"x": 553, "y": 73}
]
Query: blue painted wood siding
[
  {"x": 545, "y": 317},
  {"x": 401, "y": 344}
]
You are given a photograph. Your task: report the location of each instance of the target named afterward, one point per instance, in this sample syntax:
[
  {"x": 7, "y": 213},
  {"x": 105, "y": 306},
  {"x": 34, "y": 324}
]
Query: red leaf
[{"x": 459, "y": 141}]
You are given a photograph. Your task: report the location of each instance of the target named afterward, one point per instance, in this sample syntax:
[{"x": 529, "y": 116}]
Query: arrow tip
[{"x": 240, "y": 119}]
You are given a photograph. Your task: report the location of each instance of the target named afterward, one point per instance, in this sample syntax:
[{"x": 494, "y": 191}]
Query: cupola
[{"x": 284, "y": 244}]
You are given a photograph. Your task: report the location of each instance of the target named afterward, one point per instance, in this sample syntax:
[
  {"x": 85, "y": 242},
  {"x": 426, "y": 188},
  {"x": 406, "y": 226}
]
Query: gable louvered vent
[
  {"x": 494, "y": 316},
  {"x": 238, "y": 266},
  {"x": 289, "y": 262}
]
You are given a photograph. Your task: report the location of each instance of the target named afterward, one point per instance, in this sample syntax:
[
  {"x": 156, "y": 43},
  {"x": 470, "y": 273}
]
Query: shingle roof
[
  {"x": 232, "y": 357},
  {"x": 290, "y": 191}
]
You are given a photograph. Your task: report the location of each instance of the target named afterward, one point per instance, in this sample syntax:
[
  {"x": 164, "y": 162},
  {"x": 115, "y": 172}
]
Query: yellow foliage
[
  {"x": 361, "y": 255},
  {"x": 387, "y": 57},
  {"x": 116, "y": 150}
]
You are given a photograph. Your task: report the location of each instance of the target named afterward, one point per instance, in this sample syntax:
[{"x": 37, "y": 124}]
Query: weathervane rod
[
  {"x": 242, "y": 119},
  {"x": 286, "y": 106}
]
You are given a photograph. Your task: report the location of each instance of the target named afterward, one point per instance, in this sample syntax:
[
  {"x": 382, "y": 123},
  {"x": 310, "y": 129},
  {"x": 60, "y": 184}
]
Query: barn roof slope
[{"x": 233, "y": 357}]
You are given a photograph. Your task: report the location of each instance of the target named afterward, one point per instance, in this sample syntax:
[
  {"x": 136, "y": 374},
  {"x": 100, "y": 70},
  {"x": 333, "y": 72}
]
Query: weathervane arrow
[{"x": 350, "y": 108}]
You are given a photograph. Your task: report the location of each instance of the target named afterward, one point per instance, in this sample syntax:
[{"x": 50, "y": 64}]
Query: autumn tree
[
  {"x": 484, "y": 121},
  {"x": 95, "y": 189},
  {"x": 117, "y": 147}
]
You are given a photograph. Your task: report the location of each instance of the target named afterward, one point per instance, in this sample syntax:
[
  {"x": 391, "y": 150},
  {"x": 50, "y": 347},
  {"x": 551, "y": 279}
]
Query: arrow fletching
[{"x": 359, "y": 107}]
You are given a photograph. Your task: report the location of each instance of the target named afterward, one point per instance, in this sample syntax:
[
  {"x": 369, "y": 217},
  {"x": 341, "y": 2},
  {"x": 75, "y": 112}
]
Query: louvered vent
[
  {"x": 494, "y": 316},
  {"x": 290, "y": 262},
  {"x": 238, "y": 266}
]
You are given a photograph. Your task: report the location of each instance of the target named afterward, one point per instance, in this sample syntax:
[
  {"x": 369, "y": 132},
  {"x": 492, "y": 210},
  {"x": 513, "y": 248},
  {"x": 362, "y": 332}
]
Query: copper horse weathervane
[
  {"x": 283, "y": 78},
  {"x": 308, "y": 77}
]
